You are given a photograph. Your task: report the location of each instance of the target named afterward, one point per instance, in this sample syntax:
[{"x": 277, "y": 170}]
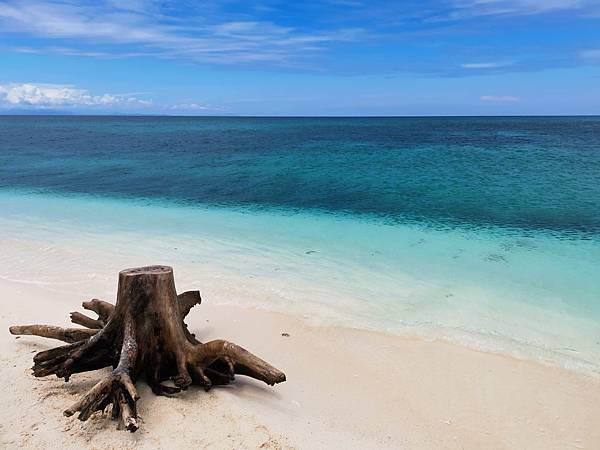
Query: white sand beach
[{"x": 345, "y": 389}]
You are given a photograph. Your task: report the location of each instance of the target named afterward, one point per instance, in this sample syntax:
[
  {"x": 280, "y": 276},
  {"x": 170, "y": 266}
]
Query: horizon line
[{"x": 258, "y": 116}]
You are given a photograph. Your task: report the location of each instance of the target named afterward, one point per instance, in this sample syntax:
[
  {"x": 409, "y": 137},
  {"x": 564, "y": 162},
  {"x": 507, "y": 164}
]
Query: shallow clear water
[{"x": 483, "y": 230}]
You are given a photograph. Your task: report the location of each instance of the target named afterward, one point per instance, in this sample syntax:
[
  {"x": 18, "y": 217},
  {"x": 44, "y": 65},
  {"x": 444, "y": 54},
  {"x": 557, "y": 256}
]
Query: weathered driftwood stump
[{"x": 143, "y": 334}]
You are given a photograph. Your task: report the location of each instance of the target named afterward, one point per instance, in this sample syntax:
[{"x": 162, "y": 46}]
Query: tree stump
[{"x": 143, "y": 334}]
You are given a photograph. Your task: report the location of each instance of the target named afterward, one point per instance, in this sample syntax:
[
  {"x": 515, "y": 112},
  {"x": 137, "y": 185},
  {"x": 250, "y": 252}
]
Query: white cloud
[
  {"x": 191, "y": 107},
  {"x": 147, "y": 30},
  {"x": 499, "y": 98},
  {"x": 484, "y": 65},
  {"x": 465, "y": 8},
  {"x": 51, "y": 95},
  {"x": 590, "y": 55}
]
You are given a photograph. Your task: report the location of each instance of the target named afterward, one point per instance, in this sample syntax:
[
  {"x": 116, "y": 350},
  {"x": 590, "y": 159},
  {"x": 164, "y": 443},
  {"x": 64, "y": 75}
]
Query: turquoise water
[{"x": 485, "y": 231}]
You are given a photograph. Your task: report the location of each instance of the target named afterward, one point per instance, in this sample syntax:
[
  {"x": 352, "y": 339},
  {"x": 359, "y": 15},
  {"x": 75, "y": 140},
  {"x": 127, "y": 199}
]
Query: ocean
[{"x": 484, "y": 230}]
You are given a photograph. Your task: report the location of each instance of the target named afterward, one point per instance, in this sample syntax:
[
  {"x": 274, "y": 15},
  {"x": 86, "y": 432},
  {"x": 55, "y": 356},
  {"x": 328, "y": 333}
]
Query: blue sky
[{"x": 317, "y": 57}]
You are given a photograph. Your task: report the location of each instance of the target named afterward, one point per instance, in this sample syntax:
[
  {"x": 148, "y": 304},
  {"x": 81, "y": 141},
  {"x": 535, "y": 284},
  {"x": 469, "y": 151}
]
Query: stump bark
[{"x": 143, "y": 334}]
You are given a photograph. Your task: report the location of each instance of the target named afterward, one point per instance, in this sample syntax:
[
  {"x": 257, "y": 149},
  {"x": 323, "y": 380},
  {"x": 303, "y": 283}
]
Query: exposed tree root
[
  {"x": 144, "y": 333},
  {"x": 50, "y": 331}
]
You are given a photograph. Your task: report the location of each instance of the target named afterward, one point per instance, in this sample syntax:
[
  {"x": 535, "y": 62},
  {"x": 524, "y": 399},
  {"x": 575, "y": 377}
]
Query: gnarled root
[
  {"x": 50, "y": 331},
  {"x": 100, "y": 307},
  {"x": 223, "y": 358},
  {"x": 82, "y": 356},
  {"x": 118, "y": 389},
  {"x": 216, "y": 363}
]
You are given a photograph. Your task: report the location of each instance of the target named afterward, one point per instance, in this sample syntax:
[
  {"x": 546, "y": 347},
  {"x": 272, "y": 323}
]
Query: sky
[{"x": 312, "y": 57}]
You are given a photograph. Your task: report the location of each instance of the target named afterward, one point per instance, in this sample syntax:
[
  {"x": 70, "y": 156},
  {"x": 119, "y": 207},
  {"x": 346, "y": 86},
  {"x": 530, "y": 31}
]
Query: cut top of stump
[{"x": 147, "y": 270}]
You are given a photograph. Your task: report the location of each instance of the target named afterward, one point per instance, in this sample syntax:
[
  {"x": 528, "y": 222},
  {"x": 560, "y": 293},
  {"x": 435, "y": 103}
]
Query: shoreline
[{"x": 346, "y": 387}]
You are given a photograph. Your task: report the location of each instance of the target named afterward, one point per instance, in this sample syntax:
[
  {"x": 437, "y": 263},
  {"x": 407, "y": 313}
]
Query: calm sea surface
[{"x": 485, "y": 228}]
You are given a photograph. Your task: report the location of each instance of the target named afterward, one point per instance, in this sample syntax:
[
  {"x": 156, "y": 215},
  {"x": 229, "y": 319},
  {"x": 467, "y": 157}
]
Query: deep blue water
[{"x": 525, "y": 173}]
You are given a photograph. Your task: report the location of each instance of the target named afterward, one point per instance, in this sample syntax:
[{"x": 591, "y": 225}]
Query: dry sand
[{"x": 346, "y": 389}]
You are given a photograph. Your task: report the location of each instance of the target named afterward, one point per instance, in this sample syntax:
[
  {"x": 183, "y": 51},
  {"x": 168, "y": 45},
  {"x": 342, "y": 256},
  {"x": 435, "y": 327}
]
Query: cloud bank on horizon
[
  {"x": 52, "y": 96},
  {"x": 190, "y": 52}
]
